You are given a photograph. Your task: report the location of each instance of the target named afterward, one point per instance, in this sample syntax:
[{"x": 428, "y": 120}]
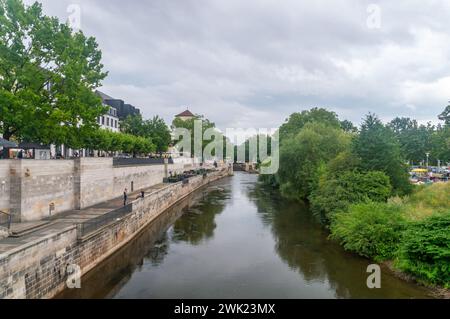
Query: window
[
  {"x": 103, "y": 120},
  {"x": 107, "y": 121}
]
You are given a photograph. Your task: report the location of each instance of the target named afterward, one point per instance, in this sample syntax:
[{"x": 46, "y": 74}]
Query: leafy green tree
[
  {"x": 154, "y": 129},
  {"x": 348, "y": 126},
  {"x": 298, "y": 120},
  {"x": 254, "y": 140},
  {"x": 133, "y": 124},
  {"x": 441, "y": 144},
  {"x": 48, "y": 75},
  {"x": 303, "y": 155},
  {"x": 415, "y": 140},
  {"x": 159, "y": 132},
  {"x": 445, "y": 116},
  {"x": 189, "y": 125},
  {"x": 378, "y": 150}
]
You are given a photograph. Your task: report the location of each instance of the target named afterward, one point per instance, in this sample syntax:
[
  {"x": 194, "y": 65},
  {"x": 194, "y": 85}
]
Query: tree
[
  {"x": 159, "y": 132},
  {"x": 336, "y": 193},
  {"x": 155, "y": 129},
  {"x": 445, "y": 116},
  {"x": 298, "y": 120},
  {"x": 48, "y": 75},
  {"x": 133, "y": 124},
  {"x": 254, "y": 140},
  {"x": 378, "y": 150},
  {"x": 348, "y": 126},
  {"x": 189, "y": 125},
  {"x": 302, "y": 156},
  {"x": 415, "y": 140}
]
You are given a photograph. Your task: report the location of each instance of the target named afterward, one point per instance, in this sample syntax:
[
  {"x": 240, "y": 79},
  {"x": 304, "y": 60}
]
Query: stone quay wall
[
  {"x": 39, "y": 269},
  {"x": 34, "y": 189}
]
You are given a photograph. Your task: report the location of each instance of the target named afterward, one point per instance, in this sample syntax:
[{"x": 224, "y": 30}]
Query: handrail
[{"x": 9, "y": 218}]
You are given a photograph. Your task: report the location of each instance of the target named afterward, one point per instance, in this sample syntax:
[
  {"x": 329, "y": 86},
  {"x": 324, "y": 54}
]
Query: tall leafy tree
[
  {"x": 189, "y": 125},
  {"x": 415, "y": 140},
  {"x": 154, "y": 129},
  {"x": 297, "y": 121},
  {"x": 48, "y": 75},
  {"x": 379, "y": 150},
  {"x": 445, "y": 116},
  {"x": 303, "y": 156}
]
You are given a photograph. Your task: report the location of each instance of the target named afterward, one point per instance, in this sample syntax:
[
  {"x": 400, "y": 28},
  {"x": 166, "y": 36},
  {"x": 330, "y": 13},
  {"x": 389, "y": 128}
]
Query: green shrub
[
  {"x": 370, "y": 229},
  {"x": 336, "y": 194},
  {"x": 425, "y": 249}
]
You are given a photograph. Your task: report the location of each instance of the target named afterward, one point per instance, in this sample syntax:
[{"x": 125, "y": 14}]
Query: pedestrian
[
  {"x": 142, "y": 194},
  {"x": 125, "y": 197}
]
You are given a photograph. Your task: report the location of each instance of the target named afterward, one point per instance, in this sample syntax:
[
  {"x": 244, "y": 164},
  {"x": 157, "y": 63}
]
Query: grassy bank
[{"x": 413, "y": 232}]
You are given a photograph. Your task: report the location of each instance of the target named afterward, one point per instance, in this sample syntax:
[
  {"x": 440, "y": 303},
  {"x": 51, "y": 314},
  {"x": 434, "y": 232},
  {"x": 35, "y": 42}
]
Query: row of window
[{"x": 106, "y": 121}]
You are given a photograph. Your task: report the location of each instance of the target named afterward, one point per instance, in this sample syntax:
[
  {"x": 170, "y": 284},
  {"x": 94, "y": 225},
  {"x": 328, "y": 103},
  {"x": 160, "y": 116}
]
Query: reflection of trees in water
[
  {"x": 159, "y": 251},
  {"x": 302, "y": 243},
  {"x": 152, "y": 244},
  {"x": 198, "y": 223}
]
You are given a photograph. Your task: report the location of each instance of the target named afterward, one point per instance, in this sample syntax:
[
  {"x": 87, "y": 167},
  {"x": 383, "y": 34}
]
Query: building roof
[
  {"x": 104, "y": 96},
  {"x": 186, "y": 113}
]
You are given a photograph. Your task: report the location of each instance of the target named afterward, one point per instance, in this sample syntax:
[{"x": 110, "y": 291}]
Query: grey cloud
[{"x": 252, "y": 63}]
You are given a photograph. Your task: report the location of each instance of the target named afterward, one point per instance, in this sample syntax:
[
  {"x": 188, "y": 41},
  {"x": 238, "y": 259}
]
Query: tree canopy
[
  {"x": 154, "y": 129},
  {"x": 48, "y": 75}
]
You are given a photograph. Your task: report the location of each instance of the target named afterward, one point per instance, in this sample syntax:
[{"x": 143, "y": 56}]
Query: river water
[{"x": 236, "y": 239}]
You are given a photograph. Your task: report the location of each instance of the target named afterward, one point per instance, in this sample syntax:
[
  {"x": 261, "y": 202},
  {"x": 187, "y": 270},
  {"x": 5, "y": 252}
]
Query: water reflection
[
  {"x": 236, "y": 239},
  {"x": 198, "y": 223},
  {"x": 303, "y": 244}
]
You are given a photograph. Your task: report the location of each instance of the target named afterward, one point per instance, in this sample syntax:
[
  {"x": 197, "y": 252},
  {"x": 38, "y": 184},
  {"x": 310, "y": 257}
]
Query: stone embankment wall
[
  {"x": 34, "y": 189},
  {"x": 39, "y": 269}
]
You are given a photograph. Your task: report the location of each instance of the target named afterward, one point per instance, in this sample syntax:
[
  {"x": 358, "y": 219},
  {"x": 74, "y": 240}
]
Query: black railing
[
  {"x": 96, "y": 223},
  {"x": 118, "y": 161}
]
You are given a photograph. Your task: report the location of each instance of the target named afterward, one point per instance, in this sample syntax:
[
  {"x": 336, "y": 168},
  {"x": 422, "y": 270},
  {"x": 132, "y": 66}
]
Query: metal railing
[
  {"x": 118, "y": 161},
  {"x": 96, "y": 223},
  {"x": 5, "y": 219}
]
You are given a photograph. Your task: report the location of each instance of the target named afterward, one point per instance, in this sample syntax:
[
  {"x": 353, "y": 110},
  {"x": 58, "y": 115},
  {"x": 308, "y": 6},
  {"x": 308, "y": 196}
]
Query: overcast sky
[{"x": 246, "y": 63}]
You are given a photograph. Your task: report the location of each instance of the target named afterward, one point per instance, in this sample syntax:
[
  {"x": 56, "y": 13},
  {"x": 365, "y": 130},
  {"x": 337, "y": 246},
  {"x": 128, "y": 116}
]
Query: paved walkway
[{"x": 31, "y": 231}]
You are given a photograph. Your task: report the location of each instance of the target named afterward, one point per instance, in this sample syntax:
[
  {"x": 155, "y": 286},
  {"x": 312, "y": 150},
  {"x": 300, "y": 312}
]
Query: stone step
[{"x": 22, "y": 229}]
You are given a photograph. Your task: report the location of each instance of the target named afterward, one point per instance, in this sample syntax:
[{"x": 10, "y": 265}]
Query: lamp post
[{"x": 428, "y": 157}]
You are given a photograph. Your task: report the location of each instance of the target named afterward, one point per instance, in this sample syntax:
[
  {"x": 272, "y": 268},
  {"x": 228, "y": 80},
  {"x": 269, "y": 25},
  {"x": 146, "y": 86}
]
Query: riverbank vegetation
[{"x": 357, "y": 183}]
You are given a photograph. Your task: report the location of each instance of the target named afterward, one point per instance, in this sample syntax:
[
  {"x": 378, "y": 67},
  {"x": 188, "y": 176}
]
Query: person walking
[{"x": 125, "y": 197}]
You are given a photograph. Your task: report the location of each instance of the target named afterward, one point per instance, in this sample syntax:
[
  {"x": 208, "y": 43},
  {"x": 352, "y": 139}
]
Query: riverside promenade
[
  {"x": 27, "y": 232},
  {"x": 39, "y": 260}
]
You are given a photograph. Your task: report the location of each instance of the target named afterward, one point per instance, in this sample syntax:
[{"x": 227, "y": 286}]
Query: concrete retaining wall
[
  {"x": 4, "y": 185},
  {"x": 28, "y": 188},
  {"x": 39, "y": 268}
]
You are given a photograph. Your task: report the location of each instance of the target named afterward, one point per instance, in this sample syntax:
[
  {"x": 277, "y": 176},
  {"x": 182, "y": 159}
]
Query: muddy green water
[{"x": 235, "y": 239}]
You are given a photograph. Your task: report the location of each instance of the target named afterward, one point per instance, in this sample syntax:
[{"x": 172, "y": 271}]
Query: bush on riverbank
[
  {"x": 425, "y": 249},
  {"x": 414, "y": 231},
  {"x": 337, "y": 193},
  {"x": 370, "y": 229}
]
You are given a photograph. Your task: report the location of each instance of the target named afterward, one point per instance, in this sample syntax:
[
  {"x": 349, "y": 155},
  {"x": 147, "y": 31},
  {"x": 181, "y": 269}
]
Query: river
[{"x": 236, "y": 239}]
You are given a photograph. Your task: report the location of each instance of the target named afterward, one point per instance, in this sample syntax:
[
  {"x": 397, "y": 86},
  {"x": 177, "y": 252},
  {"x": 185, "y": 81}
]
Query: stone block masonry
[
  {"x": 33, "y": 190},
  {"x": 38, "y": 269}
]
